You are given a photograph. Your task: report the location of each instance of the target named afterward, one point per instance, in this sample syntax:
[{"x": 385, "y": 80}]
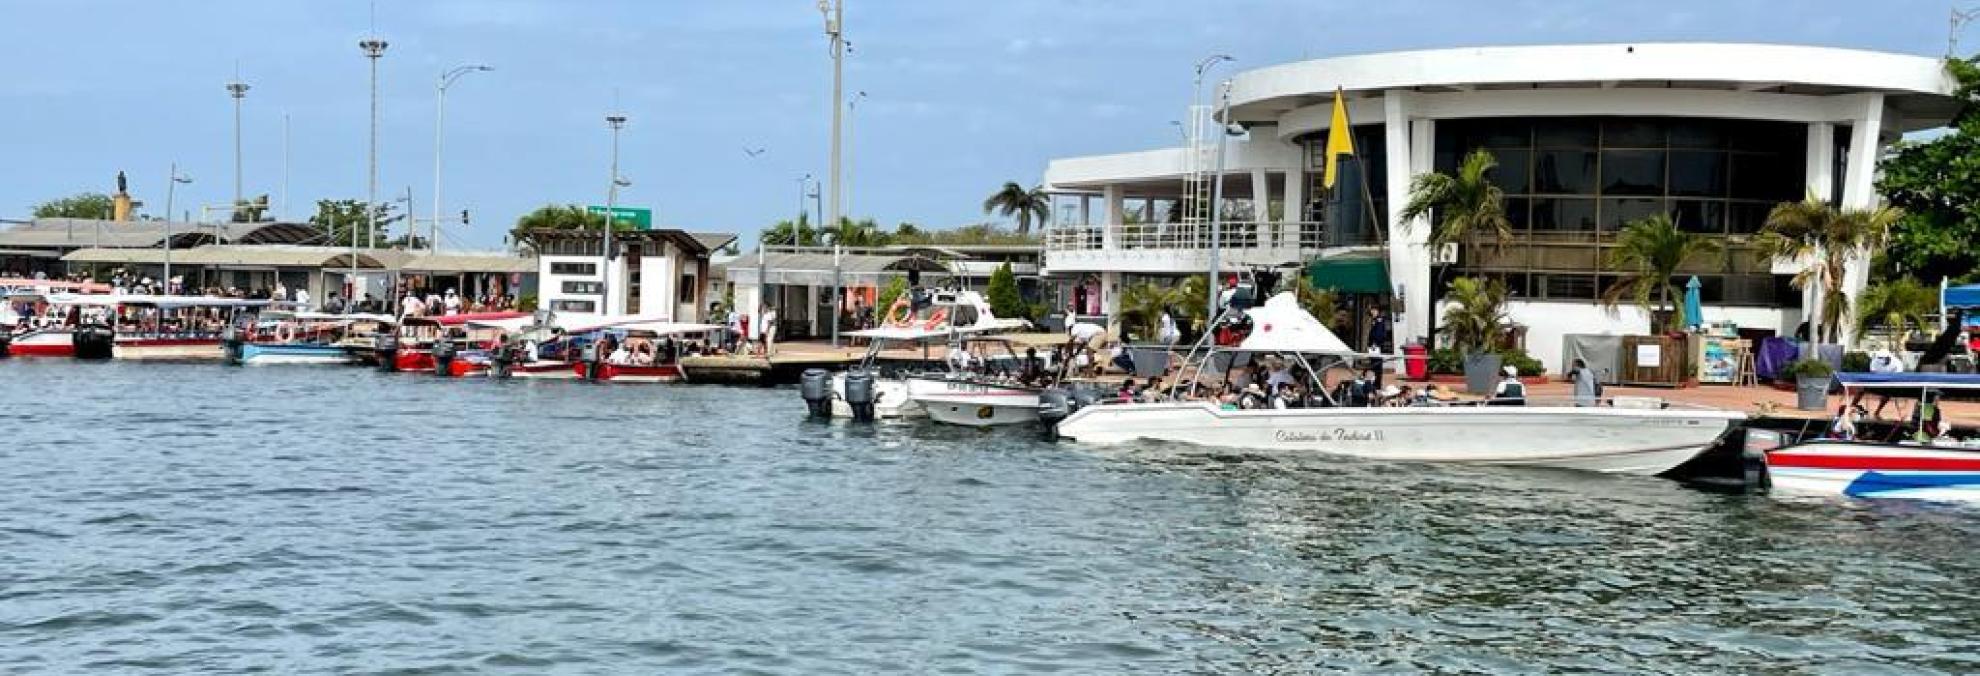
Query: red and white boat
[
  {"x": 144, "y": 327},
  {"x": 1917, "y": 459},
  {"x": 638, "y": 351},
  {"x": 466, "y": 337},
  {"x": 45, "y": 330}
]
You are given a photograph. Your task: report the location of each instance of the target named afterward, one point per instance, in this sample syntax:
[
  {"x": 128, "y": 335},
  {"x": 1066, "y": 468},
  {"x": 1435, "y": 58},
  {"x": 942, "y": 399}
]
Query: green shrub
[
  {"x": 1856, "y": 362},
  {"x": 1446, "y": 360},
  {"x": 1810, "y": 368},
  {"x": 526, "y": 303},
  {"x": 1519, "y": 359}
]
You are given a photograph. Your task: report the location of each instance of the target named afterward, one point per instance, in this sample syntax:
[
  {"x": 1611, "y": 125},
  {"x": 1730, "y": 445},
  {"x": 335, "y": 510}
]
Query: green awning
[{"x": 1351, "y": 273}]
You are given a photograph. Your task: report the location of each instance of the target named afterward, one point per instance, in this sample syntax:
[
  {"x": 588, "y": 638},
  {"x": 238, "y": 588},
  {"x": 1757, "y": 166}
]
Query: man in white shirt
[
  {"x": 1167, "y": 334},
  {"x": 1083, "y": 342},
  {"x": 302, "y": 298},
  {"x": 453, "y": 303},
  {"x": 769, "y": 331}
]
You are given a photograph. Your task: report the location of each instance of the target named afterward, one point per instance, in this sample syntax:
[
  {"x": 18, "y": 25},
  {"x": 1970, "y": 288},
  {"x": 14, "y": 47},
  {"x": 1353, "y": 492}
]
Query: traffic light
[{"x": 464, "y": 217}]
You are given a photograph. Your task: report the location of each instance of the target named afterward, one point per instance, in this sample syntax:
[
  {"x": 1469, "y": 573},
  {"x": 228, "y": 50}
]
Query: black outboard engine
[
  {"x": 232, "y": 344},
  {"x": 93, "y": 341},
  {"x": 6, "y": 342},
  {"x": 386, "y": 347},
  {"x": 816, "y": 386},
  {"x": 501, "y": 364},
  {"x": 860, "y": 394},
  {"x": 1054, "y": 405},
  {"x": 1753, "y": 458},
  {"x": 443, "y": 357}
]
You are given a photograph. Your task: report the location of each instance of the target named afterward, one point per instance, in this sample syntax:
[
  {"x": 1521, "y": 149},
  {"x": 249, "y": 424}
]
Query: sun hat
[{"x": 1511, "y": 370}]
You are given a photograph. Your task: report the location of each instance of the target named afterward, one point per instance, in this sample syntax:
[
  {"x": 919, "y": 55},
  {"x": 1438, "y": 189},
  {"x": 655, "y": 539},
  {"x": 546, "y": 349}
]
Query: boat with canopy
[
  {"x": 1917, "y": 456},
  {"x": 1645, "y": 437},
  {"x": 302, "y": 338},
  {"x": 948, "y": 317},
  {"x": 135, "y": 326}
]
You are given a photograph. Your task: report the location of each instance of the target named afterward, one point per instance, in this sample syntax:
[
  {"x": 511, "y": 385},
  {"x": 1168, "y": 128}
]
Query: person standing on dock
[
  {"x": 769, "y": 331},
  {"x": 1586, "y": 388}
]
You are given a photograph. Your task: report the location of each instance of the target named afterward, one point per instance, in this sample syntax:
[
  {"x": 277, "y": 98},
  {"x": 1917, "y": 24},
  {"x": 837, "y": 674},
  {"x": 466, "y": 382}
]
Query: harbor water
[{"x": 198, "y": 518}]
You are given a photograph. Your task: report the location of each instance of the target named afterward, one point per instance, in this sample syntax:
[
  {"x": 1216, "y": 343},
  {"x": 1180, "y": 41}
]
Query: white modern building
[
  {"x": 653, "y": 272},
  {"x": 1587, "y": 137}
]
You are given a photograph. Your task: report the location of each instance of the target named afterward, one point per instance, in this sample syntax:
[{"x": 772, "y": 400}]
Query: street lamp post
[
  {"x": 803, "y": 182},
  {"x": 238, "y": 90},
  {"x": 852, "y": 107},
  {"x": 1217, "y": 201},
  {"x": 439, "y": 121},
  {"x": 617, "y": 121},
  {"x": 373, "y": 49},
  {"x": 173, "y": 179},
  {"x": 835, "y": 15}
]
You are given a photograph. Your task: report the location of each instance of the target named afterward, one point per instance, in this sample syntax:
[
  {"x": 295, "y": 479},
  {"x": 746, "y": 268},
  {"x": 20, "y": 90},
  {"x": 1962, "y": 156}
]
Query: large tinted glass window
[
  {"x": 1564, "y": 215},
  {"x": 1633, "y": 172},
  {"x": 1626, "y": 132},
  {"x": 1512, "y": 174},
  {"x": 1698, "y": 173},
  {"x": 1564, "y": 172},
  {"x": 1617, "y": 213}
]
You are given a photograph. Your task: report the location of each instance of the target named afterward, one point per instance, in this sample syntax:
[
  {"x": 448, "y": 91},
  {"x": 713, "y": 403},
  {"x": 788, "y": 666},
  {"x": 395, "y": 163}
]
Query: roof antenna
[{"x": 1959, "y": 19}]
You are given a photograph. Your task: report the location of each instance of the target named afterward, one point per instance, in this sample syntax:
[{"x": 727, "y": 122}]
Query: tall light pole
[
  {"x": 373, "y": 48},
  {"x": 803, "y": 182},
  {"x": 852, "y": 106},
  {"x": 1217, "y": 201},
  {"x": 835, "y": 15},
  {"x": 173, "y": 179},
  {"x": 238, "y": 90},
  {"x": 616, "y": 121},
  {"x": 440, "y": 120}
]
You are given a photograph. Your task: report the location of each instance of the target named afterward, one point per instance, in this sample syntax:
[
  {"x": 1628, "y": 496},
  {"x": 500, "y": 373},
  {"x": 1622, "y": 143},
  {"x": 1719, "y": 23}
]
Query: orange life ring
[
  {"x": 940, "y": 316},
  {"x": 285, "y": 333},
  {"x": 901, "y": 313}
]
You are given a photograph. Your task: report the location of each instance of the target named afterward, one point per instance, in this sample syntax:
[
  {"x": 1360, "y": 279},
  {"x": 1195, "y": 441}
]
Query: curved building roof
[{"x": 1916, "y": 86}]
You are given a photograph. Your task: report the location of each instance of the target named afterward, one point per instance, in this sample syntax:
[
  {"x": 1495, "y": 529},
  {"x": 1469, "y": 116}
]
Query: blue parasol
[{"x": 1694, "y": 313}]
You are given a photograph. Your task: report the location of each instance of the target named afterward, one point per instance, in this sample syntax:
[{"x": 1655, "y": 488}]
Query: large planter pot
[
  {"x": 1481, "y": 372},
  {"x": 1811, "y": 393}
]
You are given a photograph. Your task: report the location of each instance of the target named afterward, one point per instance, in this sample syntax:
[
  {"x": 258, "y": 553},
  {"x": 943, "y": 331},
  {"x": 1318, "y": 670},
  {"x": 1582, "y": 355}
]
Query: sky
[{"x": 960, "y": 96}]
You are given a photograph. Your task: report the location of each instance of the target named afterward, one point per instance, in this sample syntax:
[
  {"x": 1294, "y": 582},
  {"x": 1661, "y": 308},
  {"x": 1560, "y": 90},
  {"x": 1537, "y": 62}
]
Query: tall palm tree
[
  {"x": 1828, "y": 238},
  {"x": 1649, "y": 252},
  {"x": 1902, "y": 305},
  {"x": 1463, "y": 206},
  {"x": 1013, "y": 201},
  {"x": 1142, "y": 306},
  {"x": 855, "y": 233},
  {"x": 1322, "y": 303}
]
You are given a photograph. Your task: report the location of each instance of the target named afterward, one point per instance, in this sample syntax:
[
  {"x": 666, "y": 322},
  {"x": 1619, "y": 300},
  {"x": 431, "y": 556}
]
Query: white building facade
[
  {"x": 1587, "y": 138},
  {"x": 654, "y": 272}
]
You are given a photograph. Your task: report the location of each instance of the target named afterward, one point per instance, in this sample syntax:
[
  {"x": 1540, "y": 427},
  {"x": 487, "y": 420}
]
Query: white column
[
  {"x": 1110, "y": 300},
  {"x": 1821, "y": 185},
  {"x": 1086, "y": 210},
  {"x": 1295, "y": 199},
  {"x": 1114, "y": 196},
  {"x": 1261, "y": 201},
  {"x": 1409, "y": 269},
  {"x": 1859, "y": 192}
]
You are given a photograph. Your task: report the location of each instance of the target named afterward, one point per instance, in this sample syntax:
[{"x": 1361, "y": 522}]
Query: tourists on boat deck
[
  {"x": 1279, "y": 372},
  {"x": 412, "y": 306},
  {"x": 643, "y": 354},
  {"x": 1586, "y": 387},
  {"x": 1033, "y": 369},
  {"x": 620, "y": 355},
  {"x": 1253, "y": 398},
  {"x": 1284, "y": 396},
  {"x": 1126, "y": 393},
  {"x": 333, "y": 305},
  {"x": 1510, "y": 392},
  {"x": 453, "y": 302},
  {"x": 958, "y": 359}
]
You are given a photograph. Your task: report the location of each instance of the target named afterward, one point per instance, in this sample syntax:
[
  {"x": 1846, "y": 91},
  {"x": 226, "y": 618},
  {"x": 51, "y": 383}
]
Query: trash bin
[{"x": 1416, "y": 361}]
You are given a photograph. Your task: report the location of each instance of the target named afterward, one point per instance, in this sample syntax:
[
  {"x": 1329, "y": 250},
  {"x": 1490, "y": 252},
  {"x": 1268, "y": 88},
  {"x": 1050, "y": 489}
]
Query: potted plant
[
  {"x": 1474, "y": 320},
  {"x": 1811, "y": 378}
]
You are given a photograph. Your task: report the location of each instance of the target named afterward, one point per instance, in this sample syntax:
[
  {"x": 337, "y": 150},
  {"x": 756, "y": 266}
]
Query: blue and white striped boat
[{"x": 294, "y": 353}]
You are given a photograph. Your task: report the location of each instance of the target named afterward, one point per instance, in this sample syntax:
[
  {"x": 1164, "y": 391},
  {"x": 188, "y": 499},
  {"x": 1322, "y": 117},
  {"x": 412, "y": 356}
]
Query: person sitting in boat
[
  {"x": 619, "y": 355},
  {"x": 1283, "y": 397},
  {"x": 1126, "y": 393},
  {"x": 1510, "y": 392},
  {"x": 1927, "y": 418},
  {"x": 1254, "y": 397},
  {"x": 1033, "y": 369}
]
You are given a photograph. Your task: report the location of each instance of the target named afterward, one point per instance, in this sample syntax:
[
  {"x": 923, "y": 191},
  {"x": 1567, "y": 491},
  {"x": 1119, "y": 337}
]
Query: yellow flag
[{"x": 1340, "y": 140}]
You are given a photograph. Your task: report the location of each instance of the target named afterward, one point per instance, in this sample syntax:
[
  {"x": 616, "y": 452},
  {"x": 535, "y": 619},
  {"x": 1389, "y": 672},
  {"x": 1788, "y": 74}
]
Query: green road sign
[{"x": 641, "y": 218}]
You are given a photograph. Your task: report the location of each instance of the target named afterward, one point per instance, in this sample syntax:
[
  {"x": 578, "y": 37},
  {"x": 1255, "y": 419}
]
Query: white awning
[{"x": 1281, "y": 325}]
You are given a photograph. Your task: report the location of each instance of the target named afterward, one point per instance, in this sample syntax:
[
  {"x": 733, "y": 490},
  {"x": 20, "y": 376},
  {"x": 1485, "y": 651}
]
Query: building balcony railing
[{"x": 1234, "y": 235}]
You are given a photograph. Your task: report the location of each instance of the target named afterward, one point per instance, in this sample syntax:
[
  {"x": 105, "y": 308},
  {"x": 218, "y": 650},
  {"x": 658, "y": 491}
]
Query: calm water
[{"x": 179, "y": 518}]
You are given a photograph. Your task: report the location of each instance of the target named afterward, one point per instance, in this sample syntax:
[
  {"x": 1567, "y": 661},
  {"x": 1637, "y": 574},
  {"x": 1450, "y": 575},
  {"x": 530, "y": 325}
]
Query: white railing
[{"x": 1185, "y": 236}]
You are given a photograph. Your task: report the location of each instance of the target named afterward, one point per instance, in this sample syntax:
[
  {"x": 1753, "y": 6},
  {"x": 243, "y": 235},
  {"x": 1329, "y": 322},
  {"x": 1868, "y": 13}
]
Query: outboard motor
[
  {"x": 1753, "y": 458},
  {"x": 1083, "y": 397},
  {"x": 816, "y": 387},
  {"x": 860, "y": 394},
  {"x": 386, "y": 346},
  {"x": 93, "y": 341},
  {"x": 502, "y": 362},
  {"x": 1053, "y": 406},
  {"x": 6, "y": 342},
  {"x": 232, "y": 344},
  {"x": 443, "y": 357},
  {"x": 590, "y": 357}
]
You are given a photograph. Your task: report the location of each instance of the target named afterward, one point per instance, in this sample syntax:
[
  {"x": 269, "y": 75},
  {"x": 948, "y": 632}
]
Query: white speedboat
[
  {"x": 1645, "y": 439},
  {"x": 972, "y": 401},
  {"x": 951, "y": 315}
]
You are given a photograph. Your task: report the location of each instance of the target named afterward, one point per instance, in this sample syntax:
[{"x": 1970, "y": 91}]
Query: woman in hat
[{"x": 1511, "y": 392}]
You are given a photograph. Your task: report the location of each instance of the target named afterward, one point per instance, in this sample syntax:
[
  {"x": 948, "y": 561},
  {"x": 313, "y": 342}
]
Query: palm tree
[
  {"x": 1901, "y": 305},
  {"x": 1142, "y": 306},
  {"x": 792, "y": 233},
  {"x": 855, "y": 233},
  {"x": 1477, "y": 314},
  {"x": 1463, "y": 206},
  {"x": 1649, "y": 252},
  {"x": 1322, "y": 303},
  {"x": 1013, "y": 201},
  {"x": 1828, "y": 238}
]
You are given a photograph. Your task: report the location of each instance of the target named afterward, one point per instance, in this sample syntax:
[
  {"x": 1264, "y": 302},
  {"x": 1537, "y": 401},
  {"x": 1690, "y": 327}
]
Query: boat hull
[
  {"x": 174, "y": 349},
  {"x": 43, "y": 343},
  {"x": 972, "y": 403},
  {"x": 890, "y": 399},
  {"x": 1599, "y": 439},
  {"x": 294, "y": 353},
  {"x": 543, "y": 370},
  {"x": 1877, "y": 470},
  {"x": 619, "y": 373}
]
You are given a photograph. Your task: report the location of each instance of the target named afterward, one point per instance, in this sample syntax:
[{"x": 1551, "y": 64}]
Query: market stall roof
[
  {"x": 1365, "y": 271},
  {"x": 70, "y": 233},
  {"x": 808, "y": 268},
  {"x": 256, "y": 256},
  {"x": 456, "y": 262}
]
